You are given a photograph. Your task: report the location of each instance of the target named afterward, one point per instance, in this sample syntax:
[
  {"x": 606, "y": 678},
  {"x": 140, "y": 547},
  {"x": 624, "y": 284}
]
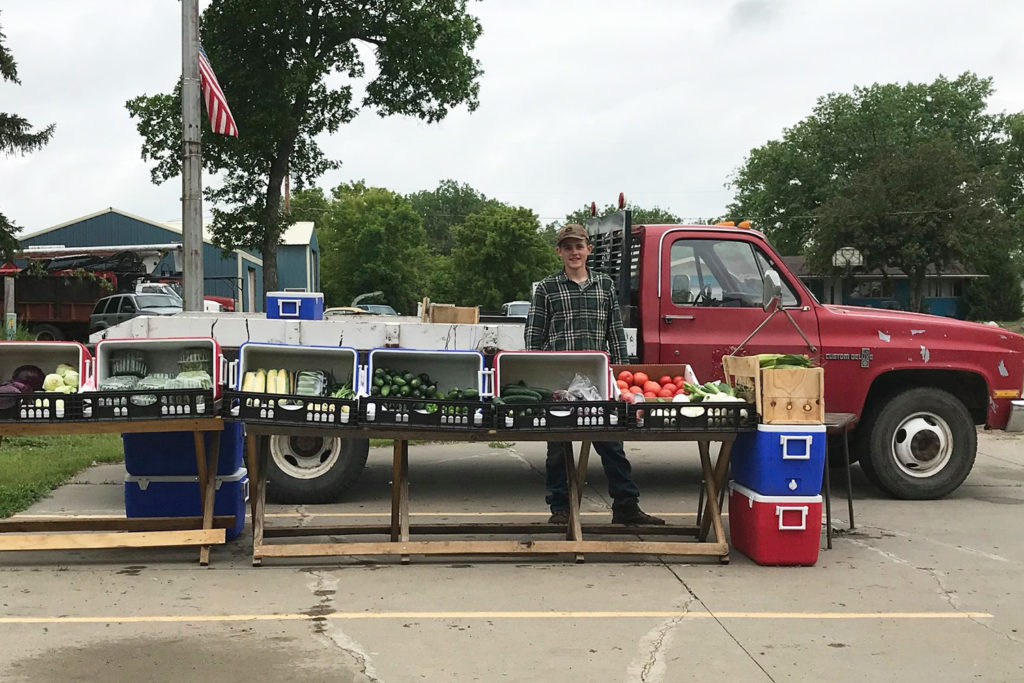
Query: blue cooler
[
  {"x": 179, "y": 497},
  {"x": 780, "y": 460},
  {"x": 174, "y": 453},
  {"x": 295, "y": 305}
]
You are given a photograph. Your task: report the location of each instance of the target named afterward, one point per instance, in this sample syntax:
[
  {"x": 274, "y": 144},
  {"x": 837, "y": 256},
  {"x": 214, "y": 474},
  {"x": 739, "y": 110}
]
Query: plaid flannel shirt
[{"x": 566, "y": 316}]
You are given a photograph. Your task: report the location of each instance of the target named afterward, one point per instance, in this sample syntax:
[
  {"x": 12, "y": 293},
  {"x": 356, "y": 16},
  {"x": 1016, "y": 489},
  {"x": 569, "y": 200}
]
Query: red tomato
[
  {"x": 670, "y": 386},
  {"x": 651, "y": 386},
  {"x": 678, "y": 380},
  {"x": 626, "y": 376},
  {"x": 680, "y": 391},
  {"x": 665, "y": 393},
  {"x": 650, "y": 394},
  {"x": 624, "y": 385},
  {"x": 664, "y": 379},
  {"x": 636, "y": 390},
  {"x": 640, "y": 378}
]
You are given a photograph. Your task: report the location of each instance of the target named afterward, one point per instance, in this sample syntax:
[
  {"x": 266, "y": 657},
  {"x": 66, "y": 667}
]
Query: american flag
[{"x": 221, "y": 120}]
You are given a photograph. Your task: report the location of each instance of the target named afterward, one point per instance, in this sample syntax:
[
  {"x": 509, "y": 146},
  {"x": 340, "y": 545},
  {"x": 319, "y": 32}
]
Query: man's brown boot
[{"x": 634, "y": 516}]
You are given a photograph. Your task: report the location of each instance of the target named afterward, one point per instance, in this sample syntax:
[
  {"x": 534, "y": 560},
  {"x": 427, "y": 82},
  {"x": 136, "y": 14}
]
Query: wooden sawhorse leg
[
  {"x": 573, "y": 478},
  {"x": 206, "y": 466},
  {"x": 714, "y": 481},
  {"x": 400, "y": 494},
  {"x": 258, "y": 450}
]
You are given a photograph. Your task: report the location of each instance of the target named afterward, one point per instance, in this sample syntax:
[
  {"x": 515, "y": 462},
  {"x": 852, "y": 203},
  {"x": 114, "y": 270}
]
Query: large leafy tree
[
  {"x": 641, "y": 216},
  {"x": 16, "y": 137},
  {"x": 917, "y": 209},
  {"x": 371, "y": 240},
  {"x": 444, "y": 207},
  {"x": 498, "y": 254},
  {"x": 782, "y": 184},
  {"x": 290, "y": 71}
]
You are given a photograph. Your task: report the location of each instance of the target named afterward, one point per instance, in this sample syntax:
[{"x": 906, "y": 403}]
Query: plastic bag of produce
[{"x": 582, "y": 389}]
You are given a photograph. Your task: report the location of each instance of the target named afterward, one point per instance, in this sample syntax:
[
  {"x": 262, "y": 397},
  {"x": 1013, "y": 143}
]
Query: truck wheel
[
  {"x": 313, "y": 469},
  {"x": 921, "y": 444},
  {"x": 47, "y": 333}
]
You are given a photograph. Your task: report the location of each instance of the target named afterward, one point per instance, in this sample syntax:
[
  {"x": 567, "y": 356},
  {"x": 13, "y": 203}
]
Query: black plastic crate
[
  {"x": 417, "y": 413},
  {"x": 46, "y": 407},
  {"x": 694, "y": 417},
  {"x": 562, "y": 415},
  {"x": 153, "y": 404},
  {"x": 259, "y": 408}
]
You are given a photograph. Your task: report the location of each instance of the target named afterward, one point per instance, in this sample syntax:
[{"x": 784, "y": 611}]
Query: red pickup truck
[{"x": 918, "y": 383}]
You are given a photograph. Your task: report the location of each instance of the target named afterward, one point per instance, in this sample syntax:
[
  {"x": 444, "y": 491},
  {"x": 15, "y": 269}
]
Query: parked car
[
  {"x": 379, "y": 309},
  {"x": 345, "y": 310},
  {"x": 114, "y": 309},
  {"x": 515, "y": 309}
]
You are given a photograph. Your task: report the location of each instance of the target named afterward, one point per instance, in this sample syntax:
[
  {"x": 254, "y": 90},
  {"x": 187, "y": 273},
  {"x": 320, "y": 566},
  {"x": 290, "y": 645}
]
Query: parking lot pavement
[{"x": 920, "y": 591}]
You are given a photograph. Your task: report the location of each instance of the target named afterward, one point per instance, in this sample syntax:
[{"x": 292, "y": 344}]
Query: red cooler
[{"x": 775, "y": 530}]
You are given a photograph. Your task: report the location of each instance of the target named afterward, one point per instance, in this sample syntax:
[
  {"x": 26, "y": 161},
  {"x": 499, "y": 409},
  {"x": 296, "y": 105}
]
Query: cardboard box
[
  {"x": 444, "y": 313},
  {"x": 782, "y": 395}
]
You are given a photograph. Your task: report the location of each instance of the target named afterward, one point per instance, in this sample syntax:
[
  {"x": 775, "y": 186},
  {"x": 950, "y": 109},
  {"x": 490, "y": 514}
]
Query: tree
[
  {"x": 498, "y": 254},
  {"x": 289, "y": 70},
  {"x": 371, "y": 239},
  {"x": 782, "y": 183},
  {"x": 16, "y": 137},
  {"x": 919, "y": 209},
  {"x": 447, "y": 206},
  {"x": 641, "y": 216}
]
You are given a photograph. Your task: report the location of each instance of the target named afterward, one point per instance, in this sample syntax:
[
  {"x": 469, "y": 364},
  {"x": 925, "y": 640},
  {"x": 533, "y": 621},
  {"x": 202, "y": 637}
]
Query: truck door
[{"x": 710, "y": 301}]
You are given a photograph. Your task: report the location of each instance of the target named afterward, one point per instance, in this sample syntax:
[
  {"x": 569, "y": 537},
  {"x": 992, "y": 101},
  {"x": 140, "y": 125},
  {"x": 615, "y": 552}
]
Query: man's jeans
[{"x": 621, "y": 486}]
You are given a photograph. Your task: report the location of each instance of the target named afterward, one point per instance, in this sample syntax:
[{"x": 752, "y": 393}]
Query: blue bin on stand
[
  {"x": 178, "y": 496},
  {"x": 174, "y": 453},
  {"x": 295, "y": 305}
]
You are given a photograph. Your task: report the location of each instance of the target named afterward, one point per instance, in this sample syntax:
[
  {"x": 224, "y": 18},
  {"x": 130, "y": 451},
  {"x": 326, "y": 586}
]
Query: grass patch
[
  {"x": 501, "y": 444},
  {"x": 31, "y": 467}
]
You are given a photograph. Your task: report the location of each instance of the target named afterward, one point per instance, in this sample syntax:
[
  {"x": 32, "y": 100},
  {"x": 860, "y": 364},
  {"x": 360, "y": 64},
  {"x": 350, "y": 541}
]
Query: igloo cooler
[
  {"x": 174, "y": 453},
  {"x": 45, "y": 406},
  {"x": 775, "y": 530},
  {"x": 295, "y": 305},
  {"x": 780, "y": 460},
  {"x": 178, "y": 496}
]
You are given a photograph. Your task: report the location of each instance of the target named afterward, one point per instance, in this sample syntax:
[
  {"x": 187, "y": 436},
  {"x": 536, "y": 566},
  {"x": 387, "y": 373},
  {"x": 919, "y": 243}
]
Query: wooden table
[
  {"x": 121, "y": 532},
  {"x": 400, "y": 532}
]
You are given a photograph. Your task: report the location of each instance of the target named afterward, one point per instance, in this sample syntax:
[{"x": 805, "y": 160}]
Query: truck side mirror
[{"x": 771, "y": 293}]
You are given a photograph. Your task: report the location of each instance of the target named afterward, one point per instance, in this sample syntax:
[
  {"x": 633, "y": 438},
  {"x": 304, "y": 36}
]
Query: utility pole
[{"x": 191, "y": 160}]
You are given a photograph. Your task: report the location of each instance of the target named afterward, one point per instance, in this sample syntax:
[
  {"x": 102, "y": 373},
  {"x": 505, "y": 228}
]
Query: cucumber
[
  {"x": 397, "y": 379},
  {"x": 470, "y": 393},
  {"x": 520, "y": 398},
  {"x": 545, "y": 394},
  {"x": 522, "y": 391}
]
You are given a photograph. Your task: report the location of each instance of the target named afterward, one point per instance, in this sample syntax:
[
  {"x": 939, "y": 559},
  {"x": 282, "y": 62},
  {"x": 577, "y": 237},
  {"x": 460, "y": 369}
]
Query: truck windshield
[{"x": 157, "y": 301}]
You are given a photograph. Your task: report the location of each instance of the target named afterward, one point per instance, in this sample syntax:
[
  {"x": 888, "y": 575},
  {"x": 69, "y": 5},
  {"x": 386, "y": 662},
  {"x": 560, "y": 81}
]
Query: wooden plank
[
  {"x": 206, "y": 424},
  {"x": 128, "y": 539},
  {"x": 261, "y": 497},
  {"x": 19, "y": 525},
  {"x": 573, "y": 531},
  {"x": 252, "y": 465},
  {"x": 487, "y": 528},
  {"x": 494, "y": 548}
]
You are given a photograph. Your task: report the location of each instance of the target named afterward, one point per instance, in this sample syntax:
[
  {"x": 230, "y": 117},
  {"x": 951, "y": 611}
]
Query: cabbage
[
  {"x": 71, "y": 379},
  {"x": 64, "y": 369},
  {"x": 52, "y": 382},
  {"x": 30, "y": 375}
]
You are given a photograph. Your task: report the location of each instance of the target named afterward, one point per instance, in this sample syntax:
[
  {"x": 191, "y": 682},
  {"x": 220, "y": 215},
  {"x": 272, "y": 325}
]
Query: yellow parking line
[{"x": 541, "y": 615}]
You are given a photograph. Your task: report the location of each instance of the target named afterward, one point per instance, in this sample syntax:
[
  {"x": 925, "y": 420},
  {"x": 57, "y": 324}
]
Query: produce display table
[
  {"x": 65, "y": 534},
  {"x": 400, "y": 532}
]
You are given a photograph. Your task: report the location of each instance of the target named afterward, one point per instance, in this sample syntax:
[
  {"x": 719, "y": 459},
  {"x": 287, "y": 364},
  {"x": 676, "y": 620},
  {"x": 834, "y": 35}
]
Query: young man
[{"x": 576, "y": 310}]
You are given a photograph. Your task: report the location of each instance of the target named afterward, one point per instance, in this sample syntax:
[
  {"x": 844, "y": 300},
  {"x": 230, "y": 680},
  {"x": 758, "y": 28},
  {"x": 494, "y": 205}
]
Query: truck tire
[
  {"x": 46, "y": 332},
  {"x": 919, "y": 444},
  {"x": 313, "y": 469}
]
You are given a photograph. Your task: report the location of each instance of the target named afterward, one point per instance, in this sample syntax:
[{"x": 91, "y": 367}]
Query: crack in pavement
[
  {"x": 652, "y": 668},
  {"x": 696, "y": 598},
  {"x": 949, "y": 595},
  {"x": 959, "y": 548},
  {"x": 325, "y": 587},
  {"x": 515, "y": 454}
]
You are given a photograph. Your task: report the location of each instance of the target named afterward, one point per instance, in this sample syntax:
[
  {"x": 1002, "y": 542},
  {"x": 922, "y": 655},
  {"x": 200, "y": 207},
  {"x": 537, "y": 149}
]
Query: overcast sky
[{"x": 580, "y": 99}]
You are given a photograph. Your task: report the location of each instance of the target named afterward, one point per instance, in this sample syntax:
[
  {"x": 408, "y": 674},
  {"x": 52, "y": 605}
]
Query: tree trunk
[
  {"x": 917, "y": 278},
  {"x": 272, "y": 213}
]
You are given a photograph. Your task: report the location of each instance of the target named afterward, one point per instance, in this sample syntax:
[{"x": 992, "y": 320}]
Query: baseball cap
[{"x": 573, "y": 231}]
